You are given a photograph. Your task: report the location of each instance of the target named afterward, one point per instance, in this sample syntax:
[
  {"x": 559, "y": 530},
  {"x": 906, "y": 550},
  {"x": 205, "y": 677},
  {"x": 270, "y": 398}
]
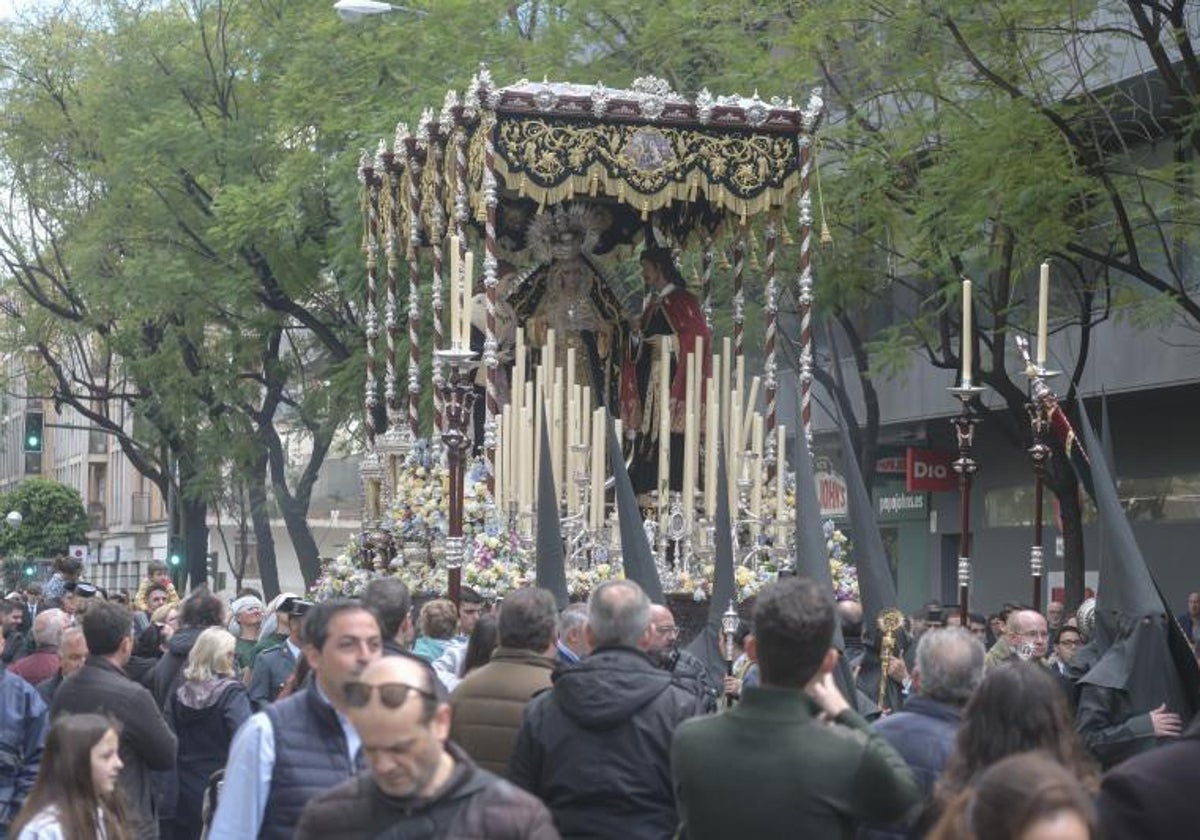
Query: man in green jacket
[{"x": 792, "y": 759}]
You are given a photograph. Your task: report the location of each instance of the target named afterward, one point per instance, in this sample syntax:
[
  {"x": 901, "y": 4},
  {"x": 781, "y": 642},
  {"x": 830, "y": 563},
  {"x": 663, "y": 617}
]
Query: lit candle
[
  {"x": 966, "y": 334},
  {"x": 1043, "y": 315}
]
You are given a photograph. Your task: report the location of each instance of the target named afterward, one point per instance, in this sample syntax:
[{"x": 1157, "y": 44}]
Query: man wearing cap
[
  {"x": 275, "y": 664},
  {"x": 302, "y": 746},
  {"x": 248, "y": 617}
]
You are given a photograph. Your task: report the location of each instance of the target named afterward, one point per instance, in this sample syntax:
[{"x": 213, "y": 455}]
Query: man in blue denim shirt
[{"x": 23, "y": 723}]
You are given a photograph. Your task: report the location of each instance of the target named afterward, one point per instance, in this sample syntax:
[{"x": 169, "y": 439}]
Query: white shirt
[
  {"x": 45, "y": 826},
  {"x": 248, "y": 773}
]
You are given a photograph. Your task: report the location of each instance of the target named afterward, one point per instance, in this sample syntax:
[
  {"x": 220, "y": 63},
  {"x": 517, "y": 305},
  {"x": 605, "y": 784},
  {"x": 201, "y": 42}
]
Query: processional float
[{"x": 558, "y": 186}]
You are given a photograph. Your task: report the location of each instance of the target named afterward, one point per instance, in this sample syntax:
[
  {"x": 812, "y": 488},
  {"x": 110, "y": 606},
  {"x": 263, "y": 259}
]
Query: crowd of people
[{"x": 365, "y": 718}]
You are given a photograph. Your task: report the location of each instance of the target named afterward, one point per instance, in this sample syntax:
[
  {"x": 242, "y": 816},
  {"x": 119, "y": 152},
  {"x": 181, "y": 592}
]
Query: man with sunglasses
[
  {"x": 303, "y": 745},
  {"x": 421, "y": 784}
]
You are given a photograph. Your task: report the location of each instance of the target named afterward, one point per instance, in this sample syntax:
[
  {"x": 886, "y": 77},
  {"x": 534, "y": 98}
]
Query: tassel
[{"x": 826, "y": 235}]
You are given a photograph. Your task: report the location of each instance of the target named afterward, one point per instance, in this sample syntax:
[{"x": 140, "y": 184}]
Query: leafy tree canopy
[{"x": 53, "y": 518}]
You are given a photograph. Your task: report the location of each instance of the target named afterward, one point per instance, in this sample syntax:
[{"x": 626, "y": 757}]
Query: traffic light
[
  {"x": 34, "y": 425},
  {"x": 29, "y": 571},
  {"x": 176, "y": 559}
]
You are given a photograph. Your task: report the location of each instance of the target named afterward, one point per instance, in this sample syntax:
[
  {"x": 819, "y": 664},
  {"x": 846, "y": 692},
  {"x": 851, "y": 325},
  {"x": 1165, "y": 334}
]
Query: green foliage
[{"x": 53, "y": 518}]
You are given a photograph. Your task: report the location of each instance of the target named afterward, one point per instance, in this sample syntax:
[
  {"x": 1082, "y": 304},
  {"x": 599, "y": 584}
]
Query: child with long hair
[{"x": 75, "y": 796}]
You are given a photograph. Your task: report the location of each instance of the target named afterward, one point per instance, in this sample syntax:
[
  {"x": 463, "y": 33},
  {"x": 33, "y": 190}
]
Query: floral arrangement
[
  {"x": 420, "y": 499},
  {"x": 747, "y": 581},
  {"x": 844, "y": 573},
  {"x": 581, "y": 581},
  {"x": 342, "y": 577}
]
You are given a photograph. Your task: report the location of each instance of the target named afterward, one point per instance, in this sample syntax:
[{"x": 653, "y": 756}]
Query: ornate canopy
[{"x": 646, "y": 147}]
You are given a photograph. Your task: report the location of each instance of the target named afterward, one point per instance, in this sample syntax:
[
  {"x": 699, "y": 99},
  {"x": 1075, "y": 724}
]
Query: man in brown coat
[{"x": 488, "y": 704}]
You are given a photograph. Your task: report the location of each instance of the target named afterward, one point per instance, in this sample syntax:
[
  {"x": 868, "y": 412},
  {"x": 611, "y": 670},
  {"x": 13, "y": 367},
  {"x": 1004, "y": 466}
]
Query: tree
[
  {"x": 53, "y": 519},
  {"x": 184, "y": 151}
]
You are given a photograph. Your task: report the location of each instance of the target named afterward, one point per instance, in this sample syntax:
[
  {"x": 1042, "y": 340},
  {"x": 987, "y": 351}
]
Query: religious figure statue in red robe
[{"x": 670, "y": 314}]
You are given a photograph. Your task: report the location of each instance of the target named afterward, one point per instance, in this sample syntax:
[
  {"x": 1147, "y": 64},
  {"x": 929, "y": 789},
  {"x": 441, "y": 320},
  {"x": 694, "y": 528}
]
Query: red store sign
[{"x": 930, "y": 471}]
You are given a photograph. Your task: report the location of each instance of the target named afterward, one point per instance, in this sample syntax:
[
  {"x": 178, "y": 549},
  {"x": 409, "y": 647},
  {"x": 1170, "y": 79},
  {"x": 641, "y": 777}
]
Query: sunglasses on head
[{"x": 391, "y": 695}]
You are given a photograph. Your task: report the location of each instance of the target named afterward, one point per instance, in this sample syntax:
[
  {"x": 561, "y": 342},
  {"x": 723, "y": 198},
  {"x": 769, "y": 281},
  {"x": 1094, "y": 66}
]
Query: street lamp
[
  {"x": 353, "y": 11},
  {"x": 14, "y": 519}
]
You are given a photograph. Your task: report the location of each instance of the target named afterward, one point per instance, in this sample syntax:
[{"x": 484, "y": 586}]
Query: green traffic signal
[
  {"x": 29, "y": 571},
  {"x": 175, "y": 560},
  {"x": 34, "y": 422}
]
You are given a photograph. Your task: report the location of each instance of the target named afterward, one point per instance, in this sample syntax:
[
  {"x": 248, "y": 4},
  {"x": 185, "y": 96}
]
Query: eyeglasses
[
  {"x": 391, "y": 695},
  {"x": 666, "y": 629}
]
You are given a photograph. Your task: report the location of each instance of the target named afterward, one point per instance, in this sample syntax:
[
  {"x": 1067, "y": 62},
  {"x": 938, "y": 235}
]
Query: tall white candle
[
  {"x": 664, "y": 428},
  {"x": 572, "y": 441},
  {"x": 726, "y": 386},
  {"x": 757, "y": 472},
  {"x": 967, "y": 350},
  {"x": 452, "y": 286},
  {"x": 518, "y": 374},
  {"x": 780, "y": 472},
  {"x": 690, "y": 442},
  {"x": 498, "y": 466},
  {"x": 712, "y": 416},
  {"x": 599, "y": 461},
  {"x": 1043, "y": 315},
  {"x": 529, "y": 452},
  {"x": 751, "y": 402},
  {"x": 468, "y": 283}
]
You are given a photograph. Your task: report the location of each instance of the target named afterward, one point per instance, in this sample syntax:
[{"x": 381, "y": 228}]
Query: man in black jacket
[
  {"x": 102, "y": 687},
  {"x": 420, "y": 784},
  {"x": 1153, "y": 795},
  {"x": 596, "y": 747}
]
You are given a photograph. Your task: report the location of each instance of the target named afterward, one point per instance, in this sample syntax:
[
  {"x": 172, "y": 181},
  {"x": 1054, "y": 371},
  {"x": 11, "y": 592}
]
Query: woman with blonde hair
[
  {"x": 76, "y": 794},
  {"x": 205, "y": 712}
]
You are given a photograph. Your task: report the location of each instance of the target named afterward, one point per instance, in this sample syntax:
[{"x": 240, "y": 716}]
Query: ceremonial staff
[
  {"x": 1039, "y": 452},
  {"x": 965, "y": 465},
  {"x": 729, "y": 625},
  {"x": 458, "y": 403}
]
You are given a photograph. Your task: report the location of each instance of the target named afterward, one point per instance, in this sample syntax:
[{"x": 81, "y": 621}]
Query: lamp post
[{"x": 457, "y": 405}]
